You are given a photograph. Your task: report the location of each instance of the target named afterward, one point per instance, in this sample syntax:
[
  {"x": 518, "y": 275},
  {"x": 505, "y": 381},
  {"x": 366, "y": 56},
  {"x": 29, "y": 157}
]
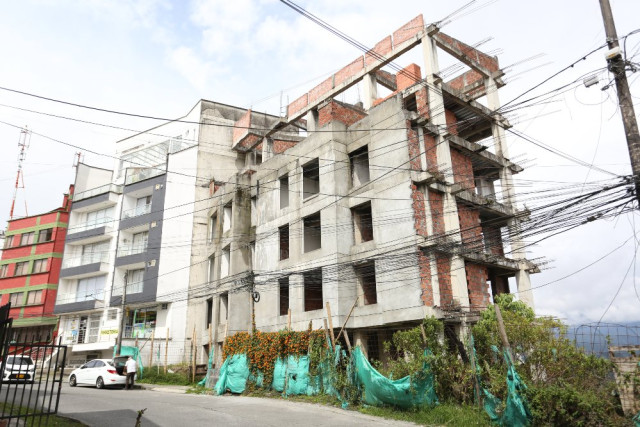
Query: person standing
[{"x": 131, "y": 367}]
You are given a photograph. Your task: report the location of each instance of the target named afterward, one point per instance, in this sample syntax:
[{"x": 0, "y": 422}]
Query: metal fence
[{"x": 32, "y": 375}]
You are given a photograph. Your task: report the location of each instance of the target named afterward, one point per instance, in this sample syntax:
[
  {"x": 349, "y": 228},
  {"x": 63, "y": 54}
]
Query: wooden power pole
[{"x": 617, "y": 66}]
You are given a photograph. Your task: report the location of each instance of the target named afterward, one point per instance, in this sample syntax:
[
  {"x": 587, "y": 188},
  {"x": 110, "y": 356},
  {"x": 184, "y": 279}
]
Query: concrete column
[
  {"x": 360, "y": 339},
  {"x": 459, "y": 282},
  {"x": 508, "y": 196},
  {"x": 436, "y": 106},
  {"x": 267, "y": 149},
  {"x": 370, "y": 90},
  {"x": 312, "y": 120}
]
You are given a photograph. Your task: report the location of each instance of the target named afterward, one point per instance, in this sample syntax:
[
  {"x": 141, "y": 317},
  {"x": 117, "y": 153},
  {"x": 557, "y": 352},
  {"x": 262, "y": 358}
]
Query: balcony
[
  {"x": 137, "y": 211},
  {"x": 85, "y": 259},
  {"x": 137, "y": 174},
  {"x": 132, "y": 288},
  {"x": 91, "y": 225},
  {"x": 133, "y": 249},
  {"x": 107, "y": 188}
]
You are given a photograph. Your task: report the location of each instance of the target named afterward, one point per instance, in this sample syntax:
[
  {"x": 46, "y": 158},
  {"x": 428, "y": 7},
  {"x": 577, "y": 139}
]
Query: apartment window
[
  {"x": 90, "y": 289},
  {"x": 211, "y": 268},
  {"x": 213, "y": 222},
  {"x": 366, "y": 278},
  {"x": 45, "y": 235},
  {"x": 15, "y": 299},
  {"x": 284, "y": 295},
  {"x": 226, "y": 221},
  {"x": 94, "y": 252},
  {"x": 8, "y": 240},
  {"x": 312, "y": 232},
  {"x": 40, "y": 266},
  {"x": 98, "y": 218},
  {"x": 112, "y": 314},
  {"x": 209, "y": 315},
  {"x": 284, "y": 191},
  {"x": 34, "y": 297},
  {"x": 140, "y": 241},
  {"x": 4, "y": 270},
  {"x": 135, "y": 281},
  {"x": 21, "y": 268},
  {"x": 359, "y": 162},
  {"x": 223, "y": 312},
  {"x": 225, "y": 262},
  {"x": 311, "y": 178},
  {"x": 284, "y": 241},
  {"x": 27, "y": 238},
  {"x": 313, "y": 290},
  {"x": 362, "y": 223}
]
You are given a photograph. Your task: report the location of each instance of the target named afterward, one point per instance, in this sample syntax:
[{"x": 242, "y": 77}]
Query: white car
[
  {"x": 99, "y": 372},
  {"x": 19, "y": 369}
]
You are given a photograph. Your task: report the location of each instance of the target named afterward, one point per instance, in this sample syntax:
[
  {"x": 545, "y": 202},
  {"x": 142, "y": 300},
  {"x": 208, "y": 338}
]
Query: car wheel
[
  {"x": 99, "y": 383},
  {"x": 72, "y": 381}
]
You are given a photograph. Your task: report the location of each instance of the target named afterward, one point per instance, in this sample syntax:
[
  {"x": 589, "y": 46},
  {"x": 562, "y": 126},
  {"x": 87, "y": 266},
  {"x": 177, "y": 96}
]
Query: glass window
[
  {"x": 27, "y": 238},
  {"x": 21, "y": 268},
  {"x": 45, "y": 235},
  {"x": 90, "y": 289},
  {"x": 39, "y": 266},
  {"x": 15, "y": 298},
  {"x": 4, "y": 269},
  {"x": 34, "y": 297}
]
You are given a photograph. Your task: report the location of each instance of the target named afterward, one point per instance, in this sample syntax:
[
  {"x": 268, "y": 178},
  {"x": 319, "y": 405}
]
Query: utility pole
[
  {"x": 121, "y": 328},
  {"x": 617, "y": 67}
]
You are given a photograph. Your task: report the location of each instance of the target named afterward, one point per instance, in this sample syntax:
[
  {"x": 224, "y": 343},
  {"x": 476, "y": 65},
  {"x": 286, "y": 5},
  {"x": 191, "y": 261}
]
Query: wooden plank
[
  {"x": 503, "y": 332},
  {"x": 328, "y": 337},
  {"x": 347, "y": 319},
  {"x": 346, "y": 340},
  {"x": 166, "y": 350},
  {"x": 289, "y": 320},
  {"x": 153, "y": 333},
  {"x": 330, "y": 320}
]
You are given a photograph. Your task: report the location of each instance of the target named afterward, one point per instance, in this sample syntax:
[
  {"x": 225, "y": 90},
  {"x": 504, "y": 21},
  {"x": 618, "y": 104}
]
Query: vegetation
[
  {"x": 564, "y": 386},
  {"x": 52, "y": 420},
  {"x": 176, "y": 375}
]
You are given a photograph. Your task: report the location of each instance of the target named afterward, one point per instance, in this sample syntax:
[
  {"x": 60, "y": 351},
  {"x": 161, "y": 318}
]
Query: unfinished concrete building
[{"x": 389, "y": 211}]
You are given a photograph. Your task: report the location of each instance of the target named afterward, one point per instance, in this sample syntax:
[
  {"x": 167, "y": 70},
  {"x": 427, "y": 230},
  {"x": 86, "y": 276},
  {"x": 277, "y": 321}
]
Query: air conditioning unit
[{"x": 164, "y": 306}]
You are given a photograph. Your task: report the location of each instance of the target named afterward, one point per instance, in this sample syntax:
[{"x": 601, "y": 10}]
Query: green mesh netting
[
  {"x": 233, "y": 374},
  {"x": 207, "y": 377},
  {"x": 516, "y": 411},
  {"x": 377, "y": 390}
]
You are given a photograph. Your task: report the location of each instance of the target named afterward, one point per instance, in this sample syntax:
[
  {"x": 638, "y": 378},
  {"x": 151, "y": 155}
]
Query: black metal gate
[{"x": 32, "y": 375}]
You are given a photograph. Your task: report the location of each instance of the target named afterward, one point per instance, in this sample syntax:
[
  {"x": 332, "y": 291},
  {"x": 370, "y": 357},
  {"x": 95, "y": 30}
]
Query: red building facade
[{"x": 30, "y": 269}]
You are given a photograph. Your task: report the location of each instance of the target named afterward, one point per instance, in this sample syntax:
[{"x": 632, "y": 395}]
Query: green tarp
[
  {"x": 378, "y": 390},
  {"x": 233, "y": 374},
  {"x": 133, "y": 352}
]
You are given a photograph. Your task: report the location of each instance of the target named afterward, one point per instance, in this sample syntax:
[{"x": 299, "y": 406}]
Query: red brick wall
[
  {"x": 443, "y": 263},
  {"x": 408, "y": 30},
  {"x": 470, "y": 229},
  {"x": 462, "y": 170},
  {"x": 336, "y": 111},
  {"x": 407, "y": 77},
  {"x": 349, "y": 70},
  {"x": 241, "y": 127},
  {"x": 431, "y": 151},
  {"x": 436, "y": 200},
  {"x": 320, "y": 90},
  {"x": 422, "y": 102},
  {"x": 419, "y": 213},
  {"x": 477, "y": 285},
  {"x": 493, "y": 239},
  {"x": 452, "y": 122},
  {"x": 425, "y": 279},
  {"x": 414, "y": 148},
  {"x": 382, "y": 48},
  {"x": 22, "y": 223},
  {"x": 298, "y": 104},
  {"x": 280, "y": 146}
]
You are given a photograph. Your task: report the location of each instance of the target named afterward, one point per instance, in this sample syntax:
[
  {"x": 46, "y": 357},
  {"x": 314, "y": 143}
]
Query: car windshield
[{"x": 13, "y": 360}]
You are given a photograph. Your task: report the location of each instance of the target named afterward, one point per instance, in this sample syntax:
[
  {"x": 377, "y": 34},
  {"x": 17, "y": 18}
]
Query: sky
[{"x": 159, "y": 57}]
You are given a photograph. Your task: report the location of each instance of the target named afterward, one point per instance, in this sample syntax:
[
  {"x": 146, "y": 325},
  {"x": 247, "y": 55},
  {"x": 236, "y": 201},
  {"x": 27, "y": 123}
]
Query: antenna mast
[{"x": 23, "y": 144}]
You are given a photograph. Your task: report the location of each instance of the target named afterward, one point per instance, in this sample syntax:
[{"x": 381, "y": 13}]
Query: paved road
[{"x": 116, "y": 407}]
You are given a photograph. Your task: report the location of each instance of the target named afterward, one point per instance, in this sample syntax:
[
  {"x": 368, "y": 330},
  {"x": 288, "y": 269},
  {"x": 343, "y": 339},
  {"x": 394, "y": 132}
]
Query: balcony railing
[
  {"x": 107, "y": 188},
  {"x": 137, "y": 211},
  {"x": 132, "y": 288},
  {"x": 71, "y": 297},
  {"x": 90, "y": 225},
  {"x": 92, "y": 258},
  {"x": 125, "y": 250},
  {"x": 135, "y": 175}
]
